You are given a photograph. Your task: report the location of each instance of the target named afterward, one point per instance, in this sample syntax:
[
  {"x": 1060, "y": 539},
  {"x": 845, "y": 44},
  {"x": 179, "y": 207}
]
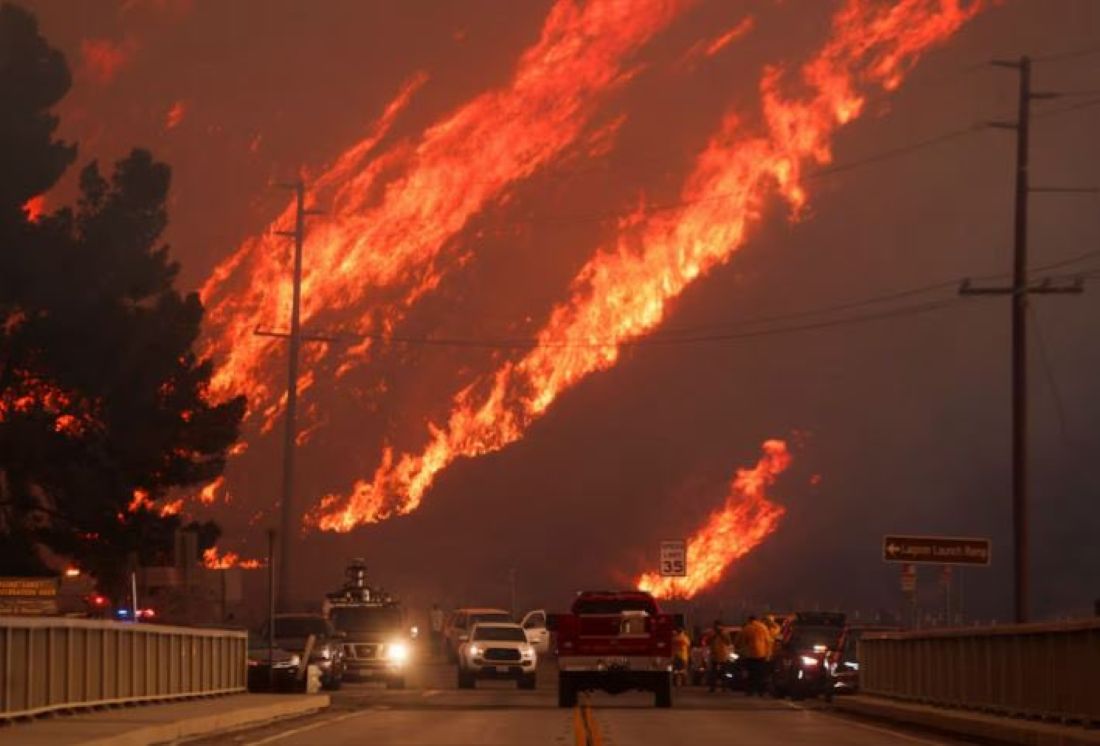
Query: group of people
[{"x": 753, "y": 644}]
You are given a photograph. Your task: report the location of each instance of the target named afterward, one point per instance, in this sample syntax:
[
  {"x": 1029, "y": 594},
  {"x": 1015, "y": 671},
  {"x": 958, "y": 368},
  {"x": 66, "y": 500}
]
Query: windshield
[
  {"x": 805, "y": 638},
  {"x": 366, "y": 618},
  {"x": 300, "y": 626},
  {"x": 489, "y": 616},
  {"x": 500, "y": 634}
]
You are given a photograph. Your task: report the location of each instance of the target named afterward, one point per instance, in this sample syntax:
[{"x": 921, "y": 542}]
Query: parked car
[
  {"x": 846, "y": 665},
  {"x": 457, "y": 629},
  {"x": 802, "y": 664},
  {"x": 538, "y": 634},
  {"x": 292, "y": 632},
  {"x": 273, "y": 669},
  {"x": 497, "y": 650}
]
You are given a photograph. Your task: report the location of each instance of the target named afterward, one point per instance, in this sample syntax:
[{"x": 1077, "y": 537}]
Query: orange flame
[
  {"x": 716, "y": 45},
  {"x": 35, "y": 208},
  {"x": 624, "y": 291},
  {"x": 747, "y": 518},
  {"x": 209, "y": 493},
  {"x": 213, "y": 560},
  {"x": 140, "y": 500},
  {"x": 102, "y": 58},
  {"x": 390, "y": 216},
  {"x": 175, "y": 115}
]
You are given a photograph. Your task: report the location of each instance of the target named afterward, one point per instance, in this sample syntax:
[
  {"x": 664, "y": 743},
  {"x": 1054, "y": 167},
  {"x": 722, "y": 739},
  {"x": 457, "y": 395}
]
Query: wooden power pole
[{"x": 1019, "y": 292}]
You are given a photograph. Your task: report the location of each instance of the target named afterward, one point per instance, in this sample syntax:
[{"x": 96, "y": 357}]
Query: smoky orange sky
[{"x": 907, "y": 417}]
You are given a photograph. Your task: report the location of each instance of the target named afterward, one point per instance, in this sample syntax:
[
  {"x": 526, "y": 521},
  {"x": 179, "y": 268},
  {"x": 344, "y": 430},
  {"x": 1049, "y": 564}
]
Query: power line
[
  {"x": 1066, "y": 109},
  {"x": 1067, "y": 55},
  {"x": 653, "y": 341}
]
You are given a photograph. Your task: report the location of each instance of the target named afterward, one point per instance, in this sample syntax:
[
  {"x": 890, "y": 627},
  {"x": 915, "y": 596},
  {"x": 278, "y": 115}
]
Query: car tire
[
  {"x": 465, "y": 680},
  {"x": 397, "y": 682},
  {"x": 662, "y": 692},
  {"x": 527, "y": 681},
  {"x": 567, "y": 692}
]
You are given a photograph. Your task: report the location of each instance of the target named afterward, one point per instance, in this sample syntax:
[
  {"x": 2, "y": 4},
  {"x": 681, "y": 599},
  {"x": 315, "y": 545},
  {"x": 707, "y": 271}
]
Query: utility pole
[
  {"x": 1020, "y": 290},
  {"x": 286, "y": 502}
]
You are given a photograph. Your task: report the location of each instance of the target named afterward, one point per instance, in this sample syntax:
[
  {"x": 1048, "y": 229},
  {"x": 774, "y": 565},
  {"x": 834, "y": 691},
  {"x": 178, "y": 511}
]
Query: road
[{"x": 432, "y": 712}]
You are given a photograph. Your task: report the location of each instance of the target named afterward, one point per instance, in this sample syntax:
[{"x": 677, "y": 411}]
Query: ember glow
[
  {"x": 747, "y": 518},
  {"x": 390, "y": 215},
  {"x": 35, "y": 208},
  {"x": 213, "y": 560},
  {"x": 103, "y": 59},
  {"x": 625, "y": 290}
]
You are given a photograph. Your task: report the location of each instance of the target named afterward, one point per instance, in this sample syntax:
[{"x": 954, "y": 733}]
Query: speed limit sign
[{"x": 673, "y": 559}]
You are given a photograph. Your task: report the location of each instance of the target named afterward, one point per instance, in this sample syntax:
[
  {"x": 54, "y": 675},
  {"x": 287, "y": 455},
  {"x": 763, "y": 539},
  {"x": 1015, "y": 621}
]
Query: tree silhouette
[{"x": 102, "y": 396}]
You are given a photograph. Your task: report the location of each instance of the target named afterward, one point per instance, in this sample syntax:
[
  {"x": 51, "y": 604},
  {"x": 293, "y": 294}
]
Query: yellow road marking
[{"x": 595, "y": 737}]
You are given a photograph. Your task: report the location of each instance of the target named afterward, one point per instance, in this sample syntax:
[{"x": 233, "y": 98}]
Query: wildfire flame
[
  {"x": 747, "y": 518},
  {"x": 390, "y": 216},
  {"x": 213, "y": 560},
  {"x": 624, "y": 291}
]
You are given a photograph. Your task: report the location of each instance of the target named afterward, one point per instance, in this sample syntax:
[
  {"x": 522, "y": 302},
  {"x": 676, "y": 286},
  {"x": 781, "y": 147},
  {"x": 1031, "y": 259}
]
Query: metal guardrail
[
  {"x": 58, "y": 663},
  {"x": 1045, "y": 671}
]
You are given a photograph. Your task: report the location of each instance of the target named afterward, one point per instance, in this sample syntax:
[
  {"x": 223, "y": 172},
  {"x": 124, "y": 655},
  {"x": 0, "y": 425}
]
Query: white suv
[{"x": 497, "y": 651}]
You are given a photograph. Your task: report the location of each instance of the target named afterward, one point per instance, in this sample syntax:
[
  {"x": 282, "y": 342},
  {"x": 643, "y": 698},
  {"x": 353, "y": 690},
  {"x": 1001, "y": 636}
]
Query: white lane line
[{"x": 304, "y": 728}]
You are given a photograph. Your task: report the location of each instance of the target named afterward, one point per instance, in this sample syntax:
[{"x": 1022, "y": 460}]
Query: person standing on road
[
  {"x": 754, "y": 642},
  {"x": 774, "y": 631},
  {"x": 681, "y": 653},
  {"x": 435, "y": 620},
  {"x": 719, "y": 648}
]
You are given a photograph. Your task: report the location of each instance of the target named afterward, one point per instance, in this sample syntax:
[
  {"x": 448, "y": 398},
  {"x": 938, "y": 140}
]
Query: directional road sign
[
  {"x": 673, "y": 559},
  {"x": 936, "y": 550}
]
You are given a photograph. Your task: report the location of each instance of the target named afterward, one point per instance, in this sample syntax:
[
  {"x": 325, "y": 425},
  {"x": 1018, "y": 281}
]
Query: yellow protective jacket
[{"x": 754, "y": 640}]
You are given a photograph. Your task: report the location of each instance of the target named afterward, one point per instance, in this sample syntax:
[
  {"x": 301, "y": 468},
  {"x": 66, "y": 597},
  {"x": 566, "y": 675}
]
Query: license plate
[{"x": 502, "y": 669}]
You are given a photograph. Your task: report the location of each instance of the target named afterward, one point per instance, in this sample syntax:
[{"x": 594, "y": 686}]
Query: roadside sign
[
  {"x": 909, "y": 578},
  {"x": 936, "y": 550},
  {"x": 28, "y": 596},
  {"x": 674, "y": 559}
]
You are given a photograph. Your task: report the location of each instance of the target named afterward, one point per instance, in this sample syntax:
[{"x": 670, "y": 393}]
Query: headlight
[
  {"x": 852, "y": 665},
  {"x": 474, "y": 650},
  {"x": 808, "y": 661},
  {"x": 397, "y": 652},
  {"x": 734, "y": 656},
  {"x": 527, "y": 651},
  {"x": 820, "y": 648}
]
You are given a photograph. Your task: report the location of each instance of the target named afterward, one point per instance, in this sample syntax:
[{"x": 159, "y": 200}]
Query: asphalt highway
[{"x": 433, "y": 712}]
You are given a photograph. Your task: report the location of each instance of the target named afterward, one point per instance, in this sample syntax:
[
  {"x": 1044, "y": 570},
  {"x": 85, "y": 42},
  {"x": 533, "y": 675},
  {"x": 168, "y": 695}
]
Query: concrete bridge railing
[
  {"x": 58, "y": 663},
  {"x": 1043, "y": 671}
]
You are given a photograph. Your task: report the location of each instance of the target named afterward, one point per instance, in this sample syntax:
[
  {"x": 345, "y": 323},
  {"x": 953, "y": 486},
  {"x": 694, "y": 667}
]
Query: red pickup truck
[{"x": 614, "y": 641}]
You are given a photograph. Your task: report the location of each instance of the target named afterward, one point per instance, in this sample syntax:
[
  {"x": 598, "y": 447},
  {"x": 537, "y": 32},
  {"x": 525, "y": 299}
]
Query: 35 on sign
[
  {"x": 673, "y": 567},
  {"x": 673, "y": 559}
]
